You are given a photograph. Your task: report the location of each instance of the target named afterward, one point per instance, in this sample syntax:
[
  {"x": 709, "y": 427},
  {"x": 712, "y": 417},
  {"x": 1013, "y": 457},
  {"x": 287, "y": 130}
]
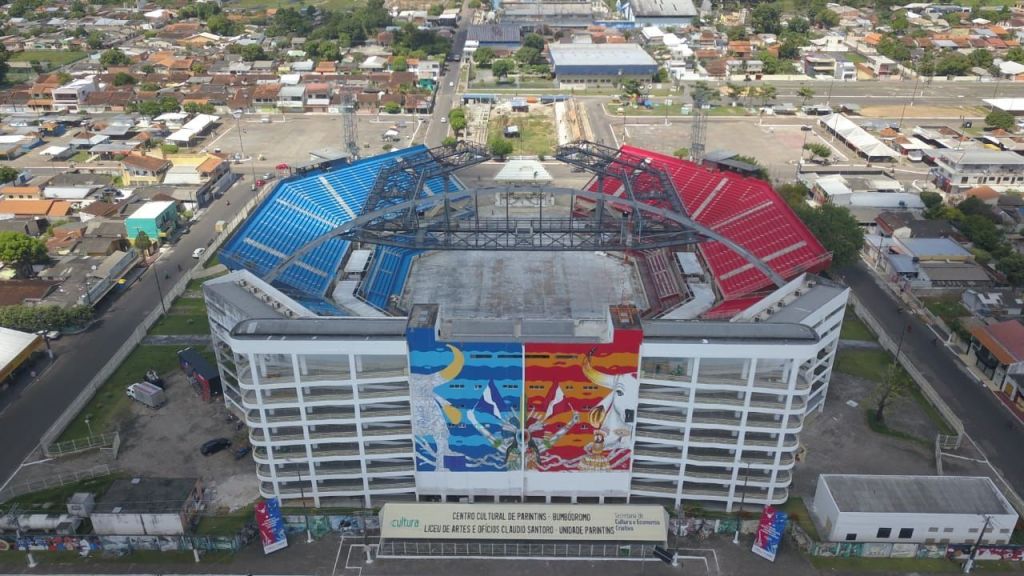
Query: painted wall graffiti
[
  {"x": 1005, "y": 553},
  {"x": 581, "y": 404},
  {"x": 466, "y": 401}
]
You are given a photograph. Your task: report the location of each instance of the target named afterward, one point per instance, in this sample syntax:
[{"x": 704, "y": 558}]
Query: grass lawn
[
  {"x": 854, "y": 329},
  {"x": 225, "y": 525},
  {"x": 868, "y": 364},
  {"x": 186, "y": 316},
  {"x": 56, "y": 498},
  {"x": 727, "y": 111},
  {"x": 536, "y": 133},
  {"x": 948, "y": 308},
  {"x": 854, "y": 57},
  {"x": 80, "y": 156},
  {"x": 212, "y": 261},
  {"x": 798, "y": 513},
  {"x": 56, "y": 57},
  {"x": 110, "y": 405}
]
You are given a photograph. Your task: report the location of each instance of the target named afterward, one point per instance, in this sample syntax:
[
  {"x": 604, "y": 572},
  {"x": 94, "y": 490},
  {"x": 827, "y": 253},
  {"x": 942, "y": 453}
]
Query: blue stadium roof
[{"x": 301, "y": 208}]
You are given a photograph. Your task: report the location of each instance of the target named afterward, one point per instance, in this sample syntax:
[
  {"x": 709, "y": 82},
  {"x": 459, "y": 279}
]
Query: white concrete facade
[{"x": 329, "y": 415}]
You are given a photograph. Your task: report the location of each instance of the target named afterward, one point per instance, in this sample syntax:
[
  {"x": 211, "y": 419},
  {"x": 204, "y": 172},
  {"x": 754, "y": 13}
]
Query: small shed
[
  {"x": 148, "y": 506},
  {"x": 204, "y": 378},
  {"x": 912, "y": 509}
]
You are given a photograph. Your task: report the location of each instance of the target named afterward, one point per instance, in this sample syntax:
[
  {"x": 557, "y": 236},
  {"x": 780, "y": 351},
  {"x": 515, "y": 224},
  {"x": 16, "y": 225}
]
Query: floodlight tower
[
  {"x": 698, "y": 137},
  {"x": 348, "y": 126}
]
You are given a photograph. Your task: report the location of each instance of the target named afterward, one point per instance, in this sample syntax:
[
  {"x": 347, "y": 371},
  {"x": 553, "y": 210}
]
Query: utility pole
[
  {"x": 974, "y": 551},
  {"x": 159, "y": 289},
  {"x": 743, "y": 499},
  {"x": 17, "y": 528}
]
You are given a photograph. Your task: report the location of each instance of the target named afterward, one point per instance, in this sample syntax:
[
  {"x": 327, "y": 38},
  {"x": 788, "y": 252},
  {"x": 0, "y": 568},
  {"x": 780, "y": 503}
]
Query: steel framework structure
[{"x": 644, "y": 212}]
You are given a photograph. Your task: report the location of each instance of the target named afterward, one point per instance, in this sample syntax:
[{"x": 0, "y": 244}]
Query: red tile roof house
[{"x": 997, "y": 350}]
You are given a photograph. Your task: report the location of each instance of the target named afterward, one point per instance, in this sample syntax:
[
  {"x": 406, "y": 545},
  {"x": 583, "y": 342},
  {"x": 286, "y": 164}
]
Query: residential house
[
  {"x": 291, "y": 98},
  {"x": 957, "y": 171},
  {"x": 21, "y": 193},
  {"x": 137, "y": 169},
  {"x": 318, "y": 96},
  {"x": 906, "y": 224},
  {"x": 882, "y": 66},
  {"x": 264, "y": 97},
  {"x": 33, "y": 208},
  {"x": 70, "y": 97},
  {"x": 997, "y": 350},
  {"x": 994, "y": 303}
]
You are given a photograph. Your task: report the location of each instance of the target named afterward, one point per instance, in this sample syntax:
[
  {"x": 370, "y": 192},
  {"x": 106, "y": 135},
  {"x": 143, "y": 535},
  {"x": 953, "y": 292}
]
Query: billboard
[
  {"x": 271, "y": 525},
  {"x": 466, "y": 401},
  {"x": 624, "y": 523},
  {"x": 769, "y": 533},
  {"x": 581, "y": 404}
]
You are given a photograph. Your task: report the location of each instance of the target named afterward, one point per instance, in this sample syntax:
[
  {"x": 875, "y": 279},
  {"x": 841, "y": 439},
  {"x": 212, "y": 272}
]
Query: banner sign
[
  {"x": 271, "y": 525},
  {"x": 524, "y": 522},
  {"x": 769, "y": 533}
]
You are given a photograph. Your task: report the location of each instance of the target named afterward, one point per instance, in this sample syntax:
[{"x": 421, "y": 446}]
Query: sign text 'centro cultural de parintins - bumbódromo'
[{"x": 523, "y": 521}]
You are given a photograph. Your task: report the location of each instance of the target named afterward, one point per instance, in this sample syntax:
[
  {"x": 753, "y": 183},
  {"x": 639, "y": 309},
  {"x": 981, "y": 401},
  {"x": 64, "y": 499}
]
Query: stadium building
[{"x": 658, "y": 336}]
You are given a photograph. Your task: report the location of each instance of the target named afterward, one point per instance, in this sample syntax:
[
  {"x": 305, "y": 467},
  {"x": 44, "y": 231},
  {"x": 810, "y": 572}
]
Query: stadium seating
[
  {"x": 748, "y": 212},
  {"x": 386, "y": 275},
  {"x": 301, "y": 208}
]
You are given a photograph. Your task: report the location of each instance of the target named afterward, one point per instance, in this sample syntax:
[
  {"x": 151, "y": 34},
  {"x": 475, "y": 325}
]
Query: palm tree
[
  {"x": 805, "y": 93},
  {"x": 733, "y": 90},
  {"x": 767, "y": 92}
]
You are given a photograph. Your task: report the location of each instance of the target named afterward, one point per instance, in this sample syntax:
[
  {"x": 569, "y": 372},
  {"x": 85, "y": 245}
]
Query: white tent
[{"x": 856, "y": 137}]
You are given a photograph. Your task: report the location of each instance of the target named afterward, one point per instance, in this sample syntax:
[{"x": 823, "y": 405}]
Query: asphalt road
[
  {"x": 448, "y": 86},
  {"x": 28, "y": 409},
  {"x": 985, "y": 420}
]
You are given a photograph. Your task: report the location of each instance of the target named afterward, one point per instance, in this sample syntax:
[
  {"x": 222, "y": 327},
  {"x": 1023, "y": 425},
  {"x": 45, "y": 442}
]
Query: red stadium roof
[{"x": 750, "y": 213}]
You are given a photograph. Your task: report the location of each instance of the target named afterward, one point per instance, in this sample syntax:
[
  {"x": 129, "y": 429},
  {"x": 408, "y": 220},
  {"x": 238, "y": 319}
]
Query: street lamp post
[
  {"x": 159, "y": 289},
  {"x": 237, "y": 114},
  {"x": 743, "y": 500},
  {"x": 88, "y": 425},
  {"x": 974, "y": 550},
  {"x": 17, "y": 527}
]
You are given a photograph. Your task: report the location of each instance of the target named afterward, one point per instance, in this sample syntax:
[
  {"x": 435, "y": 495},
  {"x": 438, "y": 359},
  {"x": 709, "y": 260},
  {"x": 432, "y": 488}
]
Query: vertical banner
[
  {"x": 769, "y": 533},
  {"x": 271, "y": 525}
]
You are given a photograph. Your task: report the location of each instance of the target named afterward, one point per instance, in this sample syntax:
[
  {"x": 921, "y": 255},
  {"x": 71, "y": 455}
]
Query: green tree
[
  {"x": 766, "y": 18},
  {"x": 252, "y": 52},
  {"x": 836, "y": 229},
  {"x": 767, "y": 92},
  {"x": 483, "y": 56},
  {"x": 980, "y": 58},
  {"x": 392, "y": 108},
  {"x": 449, "y": 141},
  {"x": 94, "y": 40},
  {"x": 794, "y": 193},
  {"x": 1012, "y": 266},
  {"x": 197, "y": 67},
  {"x": 114, "y": 57},
  {"x": 789, "y": 49},
  {"x": 527, "y": 55},
  {"x": 169, "y": 148},
  {"x": 123, "y": 79},
  {"x": 49, "y": 317},
  {"x": 8, "y": 174},
  {"x": 435, "y": 9},
  {"x": 502, "y": 68},
  {"x": 221, "y": 26},
  {"x": 952, "y": 64},
  {"x": 818, "y": 150},
  {"x": 142, "y": 242},
  {"x": 457, "y": 119},
  {"x": 899, "y": 23},
  {"x": 500, "y": 147},
  {"x": 632, "y": 89},
  {"x": 535, "y": 41},
  {"x": 798, "y": 25},
  {"x": 952, "y": 18},
  {"x": 805, "y": 93},
  {"x": 702, "y": 92},
  {"x": 825, "y": 18},
  {"x": 681, "y": 153},
  {"x": 1016, "y": 54},
  {"x": 147, "y": 69},
  {"x": 399, "y": 64},
  {"x": 1000, "y": 119},
  {"x": 22, "y": 251}
]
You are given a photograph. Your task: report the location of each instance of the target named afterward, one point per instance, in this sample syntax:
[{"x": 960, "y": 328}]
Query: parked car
[
  {"x": 198, "y": 252},
  {"x": 260, "y": 182},
  {"x": 50, "y": 334},
  {"x": 214, "y": 446},
  {"x": 806, "y": 128},
  {"x": 268, "y": 176},
  {"x": 153, "y": 378}
]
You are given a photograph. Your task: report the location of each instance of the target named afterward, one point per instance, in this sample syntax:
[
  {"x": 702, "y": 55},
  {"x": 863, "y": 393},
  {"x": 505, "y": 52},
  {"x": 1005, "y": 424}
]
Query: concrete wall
[{"x": 134, "y": 524}]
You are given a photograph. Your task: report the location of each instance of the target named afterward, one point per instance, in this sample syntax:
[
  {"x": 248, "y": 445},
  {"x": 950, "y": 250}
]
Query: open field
[
  {"x": 536, "y": 131},
  {"x": 186, "y": 316},
  {"x": 854, "y": 329},
  {"x": 54, "y": 57},
  {"x": 111, "y": 405}
]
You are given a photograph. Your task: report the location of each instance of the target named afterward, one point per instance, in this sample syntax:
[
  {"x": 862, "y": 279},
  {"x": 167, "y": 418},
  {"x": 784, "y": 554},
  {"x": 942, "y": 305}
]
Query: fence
[
  {"x": 15, "y": 490},
  {"x": 926, "y": 388},
  {"x": 123, "y": 545},
  {"x": 74, "y": 446},
  {"x": 61, "y": 423}
]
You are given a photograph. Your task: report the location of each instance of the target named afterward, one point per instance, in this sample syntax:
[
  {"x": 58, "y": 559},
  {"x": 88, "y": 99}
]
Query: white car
[
  {"x": 444, "y": 120},
  {"x": 451, "y": 84},
  {"x": 198, "y": 252}
]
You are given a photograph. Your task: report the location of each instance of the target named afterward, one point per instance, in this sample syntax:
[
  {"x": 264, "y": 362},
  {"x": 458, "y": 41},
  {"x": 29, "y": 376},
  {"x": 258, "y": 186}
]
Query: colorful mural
[
  {"x": 580, "y": 404},
  {"x": 466, "y": 402}
]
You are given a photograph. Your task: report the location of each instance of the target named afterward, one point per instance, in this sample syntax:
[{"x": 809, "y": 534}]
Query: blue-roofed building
[
  {"x": 301, "y": 208},
  {"x": 386, "y": 275}
]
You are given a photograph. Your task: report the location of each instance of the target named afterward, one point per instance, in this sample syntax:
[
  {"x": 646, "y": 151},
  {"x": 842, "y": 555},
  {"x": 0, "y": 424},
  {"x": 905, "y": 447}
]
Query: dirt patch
[{"x": 921, "y": 111}]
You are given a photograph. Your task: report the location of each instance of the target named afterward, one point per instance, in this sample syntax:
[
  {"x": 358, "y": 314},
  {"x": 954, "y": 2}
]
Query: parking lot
[
  {"x": 165, "y": 443},
  {"x": 776, "y": 146}
]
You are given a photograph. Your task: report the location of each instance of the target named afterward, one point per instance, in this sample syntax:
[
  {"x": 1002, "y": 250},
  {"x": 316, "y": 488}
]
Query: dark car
[
  {"x": 806, "y": 128},
  {"x": 241, "y": 452},
  {"x": 214, "y": 446}
]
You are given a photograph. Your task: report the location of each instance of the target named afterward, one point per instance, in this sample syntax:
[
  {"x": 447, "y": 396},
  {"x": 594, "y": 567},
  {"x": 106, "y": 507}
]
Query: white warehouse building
[{"x": 912, "y": 509}]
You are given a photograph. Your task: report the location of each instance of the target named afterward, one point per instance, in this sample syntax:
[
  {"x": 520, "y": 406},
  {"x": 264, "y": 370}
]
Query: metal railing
[
  {"x": 76, "y": 445},
  {"x": 15, "y": 490}
]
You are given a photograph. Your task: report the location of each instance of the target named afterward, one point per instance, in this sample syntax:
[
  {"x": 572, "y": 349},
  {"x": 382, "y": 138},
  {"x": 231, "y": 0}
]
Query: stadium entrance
[{"x": 612, "y": 532}]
